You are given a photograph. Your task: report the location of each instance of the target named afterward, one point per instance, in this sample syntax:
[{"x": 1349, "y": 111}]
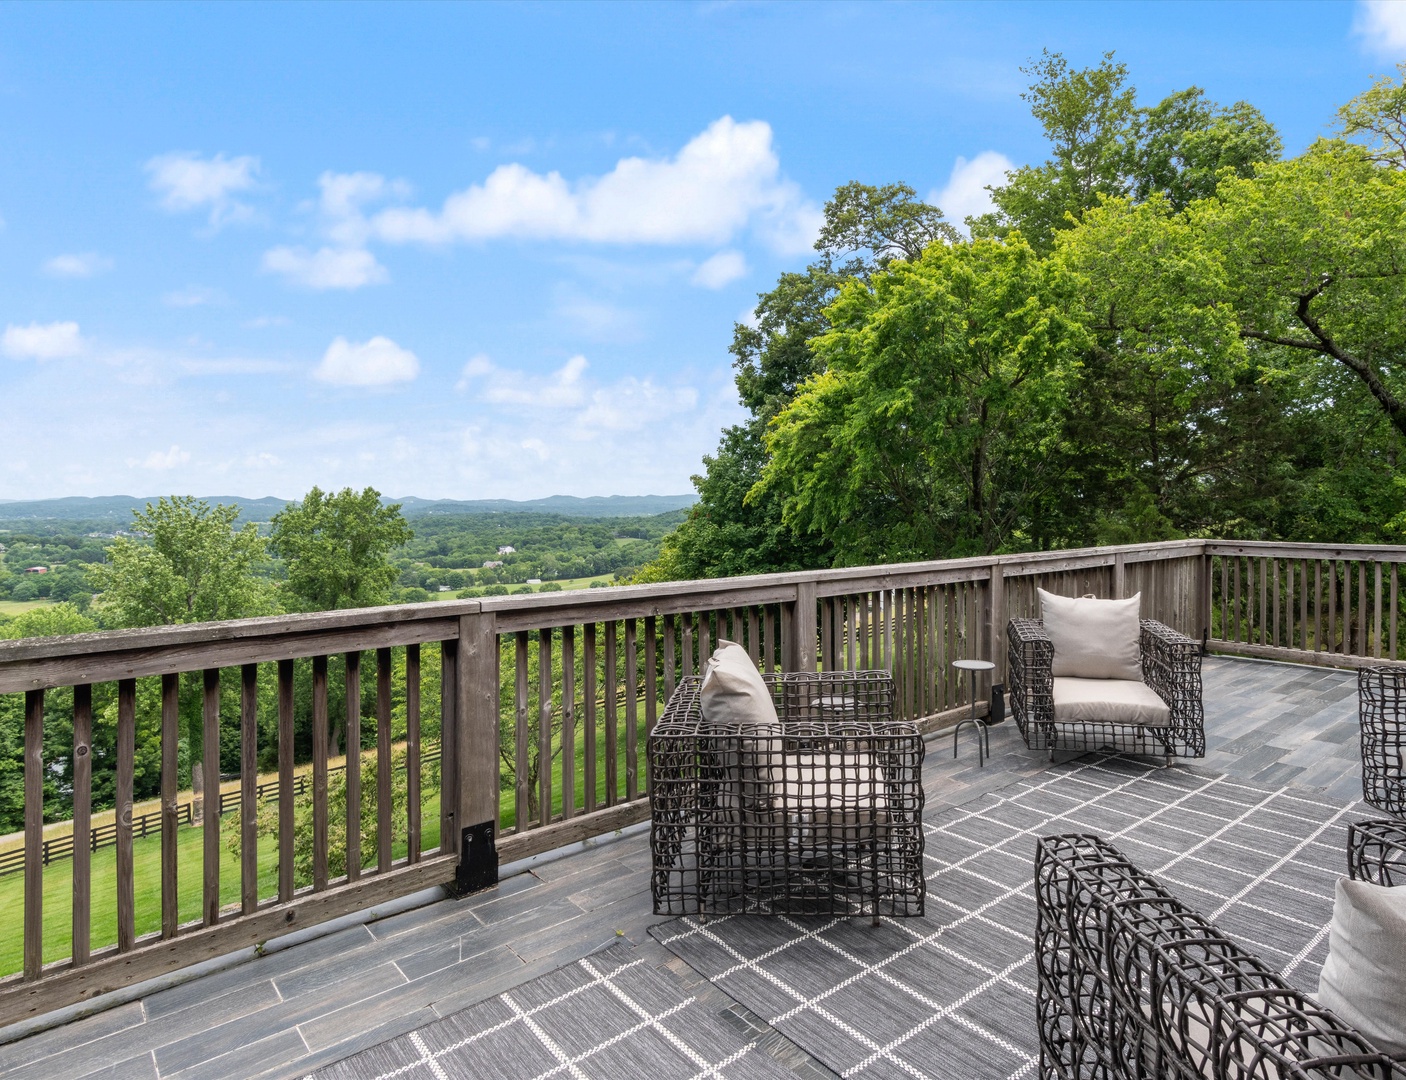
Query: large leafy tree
[
  {"x": 186, "y": 563},
  {"x": 928, "y": 430},
  {"x": 337, "y": 549},
  {"x": 866, "y": 228}
]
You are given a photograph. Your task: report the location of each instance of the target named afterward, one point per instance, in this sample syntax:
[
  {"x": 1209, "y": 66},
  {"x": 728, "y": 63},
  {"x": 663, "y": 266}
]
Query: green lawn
[
  {"x": 58, "y": 875},
  {"x": 19, "y": 607}
]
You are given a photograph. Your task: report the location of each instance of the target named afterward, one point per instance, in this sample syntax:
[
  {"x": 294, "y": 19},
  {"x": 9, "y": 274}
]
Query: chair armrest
[
  {"x": 1376, "y": 851},
  {"x": 1171, "y": 665},
  {"x": 1030, "y": 671}
]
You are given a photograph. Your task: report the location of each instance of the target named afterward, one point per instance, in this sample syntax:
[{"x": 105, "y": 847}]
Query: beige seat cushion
[
  {"x": 832, "y": 789},
  {"x": 1115, "y": 701},
  {"x": 1093, "y": 639},
  {"x": 1364, "y": 977}
]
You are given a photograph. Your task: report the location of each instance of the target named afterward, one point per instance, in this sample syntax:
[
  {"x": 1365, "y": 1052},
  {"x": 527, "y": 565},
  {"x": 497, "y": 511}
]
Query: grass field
[
  {"x": 19, "y": 607},
  {"x": 146, "y": 852}
]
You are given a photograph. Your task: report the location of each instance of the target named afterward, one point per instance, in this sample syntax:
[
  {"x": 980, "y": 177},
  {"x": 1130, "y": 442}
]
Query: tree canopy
[{"x": 337, "y": 548}]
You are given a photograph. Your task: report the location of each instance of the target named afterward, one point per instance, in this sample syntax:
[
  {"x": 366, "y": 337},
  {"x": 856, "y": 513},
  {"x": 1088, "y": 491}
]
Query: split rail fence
[{"x": 544, "y": 704}]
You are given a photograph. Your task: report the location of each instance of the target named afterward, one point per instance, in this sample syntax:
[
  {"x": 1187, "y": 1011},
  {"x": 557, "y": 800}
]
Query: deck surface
[{"x": 288, "y": 1013}]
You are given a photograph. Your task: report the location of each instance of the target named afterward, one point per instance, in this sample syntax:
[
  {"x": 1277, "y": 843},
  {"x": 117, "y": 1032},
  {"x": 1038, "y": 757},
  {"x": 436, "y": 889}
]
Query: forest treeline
[{"x": 1165, "y": 329}]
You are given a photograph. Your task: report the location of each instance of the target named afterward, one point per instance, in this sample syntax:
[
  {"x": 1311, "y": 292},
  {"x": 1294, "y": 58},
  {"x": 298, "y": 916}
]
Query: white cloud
[
  {"x": 82, "y": 265},
  {"x": 168, "y": 460},
  {"x": 186, "y": 181},
  {"x": 563, "y": 388},
  {"x": 42, "y": 341},
  {"x": 965, "y": 194},
  {"x": 724, "y": 180},
  {"x": 192, "y": 296},
  {"x": 631, "y": 404},
  {"x": 326, "y": 268},
  {"x": 344, "y": 197},
  {"x": 378, "y": 362},
  {"x": 1382, "y": 26},
  {"x": 722, "y": 269}
]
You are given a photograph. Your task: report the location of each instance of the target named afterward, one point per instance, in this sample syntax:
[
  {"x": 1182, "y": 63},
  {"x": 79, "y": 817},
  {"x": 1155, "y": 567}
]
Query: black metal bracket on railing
[{"x": 478, "y": 859}]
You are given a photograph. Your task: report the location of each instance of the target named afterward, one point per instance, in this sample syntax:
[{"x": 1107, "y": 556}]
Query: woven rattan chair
[
  {"x": 1171, "y": 666},
  {"x": 1381, "y": 703},
  {"x": 1131, "y": 983},
  {"x": 817, "y": 814}
]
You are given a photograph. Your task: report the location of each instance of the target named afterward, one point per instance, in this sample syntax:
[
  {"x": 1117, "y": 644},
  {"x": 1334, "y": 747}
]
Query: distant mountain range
[{"x": 118, "y": 508}]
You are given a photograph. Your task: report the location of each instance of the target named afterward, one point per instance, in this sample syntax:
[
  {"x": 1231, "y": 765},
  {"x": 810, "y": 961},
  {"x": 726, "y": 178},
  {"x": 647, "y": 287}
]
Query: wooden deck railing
[{"x": 544, "y": 703}]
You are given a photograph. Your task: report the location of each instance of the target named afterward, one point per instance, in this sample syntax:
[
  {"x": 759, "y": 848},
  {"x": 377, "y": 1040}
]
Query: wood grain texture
[
  {"x": 544, "y": 726},
  {"x": 454, "y": 798},
  {"x": 610, "y": 679},
  {"x": 632, "y": 714},
  {"x": 126, "y": 760},
  {"x": 210, "y": 766},
  {"x": 476, "y": 742},
  {"x": 353, "y": 763},
  {"x": 319, "y": 773},
  {"x": 82, "y": 822},
  {"x": 413, "y": 793},
  {"x": 170, "y": 821},
  {"x": 285, "y": 781},
  {"x": 522, "y": 780},
  {"x": 588, "y": 700},
  {"x": 248, "y": 788},
  {"x": 568, "y": 722},
  {"x": 385, "y": 810},
  {"x": 33, "y": 834}
]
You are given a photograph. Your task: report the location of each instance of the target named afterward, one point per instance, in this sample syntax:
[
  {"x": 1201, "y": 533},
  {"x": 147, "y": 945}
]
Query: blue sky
[{"x": 497, "y": 251}]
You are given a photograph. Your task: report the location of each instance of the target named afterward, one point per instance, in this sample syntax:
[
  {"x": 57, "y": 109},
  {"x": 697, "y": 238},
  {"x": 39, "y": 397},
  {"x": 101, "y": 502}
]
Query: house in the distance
[
  {"x": 493, "y": 564},
  {"x": 36, "y": 569},
  {"x": 506, "y": 549}
]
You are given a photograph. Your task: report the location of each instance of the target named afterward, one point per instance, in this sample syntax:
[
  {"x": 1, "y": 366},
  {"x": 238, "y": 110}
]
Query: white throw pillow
[
  {"x": 1364, "y": 977},
  {"x": 1093, "y": 639},
  {"x": 733, "y": 691}
]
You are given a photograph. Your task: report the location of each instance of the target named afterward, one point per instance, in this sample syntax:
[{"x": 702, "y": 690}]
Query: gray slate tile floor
[{"x": 295, "y": 1011}]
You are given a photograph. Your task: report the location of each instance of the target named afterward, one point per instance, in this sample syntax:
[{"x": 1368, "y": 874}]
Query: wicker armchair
[
  {"x": 818, "y": 814},
  {"x": 1381, "y": 703},
  {"x": 1171, "y": 666},
  {"x": 1132, "y": 984}
]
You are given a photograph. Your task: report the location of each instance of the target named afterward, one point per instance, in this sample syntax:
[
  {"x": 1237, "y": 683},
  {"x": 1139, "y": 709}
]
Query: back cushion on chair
[
  {"x": 733, "y": 691},
  {"x": 1364, "y": 977},
  {"x": 1093, "y": 639},
  {"x": 734, "y": 694}
]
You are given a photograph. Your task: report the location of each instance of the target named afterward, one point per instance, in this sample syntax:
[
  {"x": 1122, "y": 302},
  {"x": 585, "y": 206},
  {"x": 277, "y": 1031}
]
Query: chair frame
[
  {"x": 1381, "y": 704},
  {"x": 1131, "y": 983},
  {"x": 1171, "y": 666},
  {"x": 726, "y": 839}
]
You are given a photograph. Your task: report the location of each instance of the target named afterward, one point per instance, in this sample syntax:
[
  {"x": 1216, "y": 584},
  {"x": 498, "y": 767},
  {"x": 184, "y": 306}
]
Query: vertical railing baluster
[
  {"x": 210, "y": 765},
  {"x": 353, "y": 760},
  {"x": 319, "y": 773},
  {"x": 1274, "y": 636},
  {"x": 1377, "y": 608},
  {"x": 1392, "y": 642},
  {"x": 170, "y": 808},
  {"x": 449, "y": 737},
  {"x": 33, "y": 834},
  {"x": 285, "y": 781},
  {"x": 385, "y": 808},
  {"x": 670, "y": 672},
  {"x": 754, "y": 649},
  {"x": 588, "y": 700},
  {"x": 632, "y": 717},
  {"x": 568, "y": 722},
  {"x": 248, "y": 788},
  {"x": 768, "y": 639},
  {"x": 705, "y": 638},
  {"x": 412, "y": 753},
  {"x": 612, "y": 717},
  {"x": 1318, "y": 605},
  {"x": 126, "y": 774},
  {"x": 687, "y": 618},
  {"x": 1363, "y": 645},
  {"x": 544, "y": 726},
  {"x": 82, "y": 822},
  {"x": 1264, "y": 601},
  {"x": 651, "y": 681},
  {"x": 521, "y": 762},
  {"x": 827, "y": 633},
  {"x": 1333, "y": 606}
]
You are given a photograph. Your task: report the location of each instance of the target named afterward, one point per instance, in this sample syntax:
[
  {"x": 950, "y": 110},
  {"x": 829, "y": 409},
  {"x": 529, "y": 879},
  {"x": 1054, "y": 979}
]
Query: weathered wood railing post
[
  {"x": 475, "y": 824},
  {"x": 1120, "y": 576},
  {"x": 799, "y": 629},
  {"x": 996, "y": 622}
]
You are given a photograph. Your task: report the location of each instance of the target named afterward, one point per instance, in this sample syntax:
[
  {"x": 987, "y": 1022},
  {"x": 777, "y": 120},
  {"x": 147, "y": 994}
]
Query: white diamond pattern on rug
[{"x": 953, "y": 993}]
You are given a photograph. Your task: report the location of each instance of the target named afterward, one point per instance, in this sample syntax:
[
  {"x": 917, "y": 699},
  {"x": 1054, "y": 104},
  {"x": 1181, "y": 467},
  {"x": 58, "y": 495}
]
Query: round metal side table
[{"x": 983, "y": 733}]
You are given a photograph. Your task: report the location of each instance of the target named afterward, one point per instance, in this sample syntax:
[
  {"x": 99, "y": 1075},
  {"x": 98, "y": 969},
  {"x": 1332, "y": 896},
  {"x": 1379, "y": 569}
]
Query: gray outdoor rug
[
  {"x": 610, "y": 1016},
  {"x": 951, "y": 995}
]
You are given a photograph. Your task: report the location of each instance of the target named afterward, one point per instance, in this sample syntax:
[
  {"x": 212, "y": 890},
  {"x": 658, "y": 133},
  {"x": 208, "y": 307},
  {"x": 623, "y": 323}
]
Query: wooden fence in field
[{"x": 544, "y": 705}]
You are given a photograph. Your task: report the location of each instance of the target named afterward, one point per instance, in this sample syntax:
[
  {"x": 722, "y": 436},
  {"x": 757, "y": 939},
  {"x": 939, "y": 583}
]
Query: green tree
[
  {"x": 190, "y": 565},
  {"x": 927, "y": 433},
  {"x": 727, "y": 532},
  {"x": 337, "y": 549}
]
